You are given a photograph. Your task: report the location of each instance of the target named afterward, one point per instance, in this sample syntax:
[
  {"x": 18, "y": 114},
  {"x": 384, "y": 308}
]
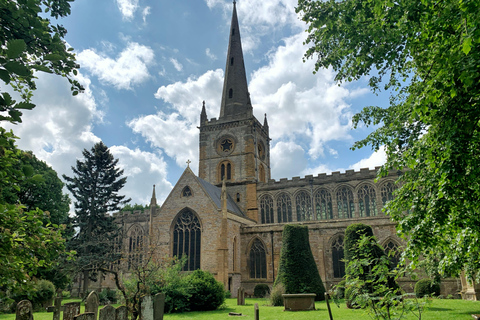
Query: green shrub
[
  {"x": 353, "y": 233},
  {"x": 176, "y": 297},
  {"x": 340, "y": 290},
  {"x": 261, "y": 290},
  {"x": 276, "y": 298},
  {"x": 108, "y": 296},
  {"x": 297, "y": 270},
  {"x": 228, "y": 294},
  {"x": 426, "y": 287},
  {"x": 66, "y": 294},
  {"x": 206, "y": 293}
]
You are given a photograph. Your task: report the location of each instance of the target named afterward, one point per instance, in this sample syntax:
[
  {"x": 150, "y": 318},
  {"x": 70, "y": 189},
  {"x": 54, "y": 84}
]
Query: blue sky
[{"x": 148, "y": 65}]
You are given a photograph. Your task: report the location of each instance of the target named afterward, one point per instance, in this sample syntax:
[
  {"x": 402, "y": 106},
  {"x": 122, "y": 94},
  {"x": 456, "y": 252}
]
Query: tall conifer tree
[{"x": 95, "y": 186}]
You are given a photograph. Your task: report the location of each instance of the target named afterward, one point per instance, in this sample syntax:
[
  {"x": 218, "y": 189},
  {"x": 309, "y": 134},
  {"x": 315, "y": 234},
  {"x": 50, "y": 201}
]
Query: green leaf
[
  {"x": 43, "y": 68},
  {"x": 15, "y": 48},
  {"x": 467, "y": 45},
  {"x": 17, "y": 68},
  {"x": 5, "y": 76},
  {"x": 24, "y": 105},
  {"x": 53, "y": 57}
]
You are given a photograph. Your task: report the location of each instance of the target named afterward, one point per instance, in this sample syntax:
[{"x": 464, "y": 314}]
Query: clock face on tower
[{"x": 225, "y": 146}]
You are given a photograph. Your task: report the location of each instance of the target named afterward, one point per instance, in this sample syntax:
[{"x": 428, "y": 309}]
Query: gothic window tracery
[
  {"x": 187, "y": 192},
  {"x": 367, "y": 201},
  {"x": 393, "y": 253},
  {"x": 345, "y": 203},
  {"x": 258, "y": 260},
  {"x": 266, "y": 209},
  {"x": 135, "y": 246},
  {"x": 187, "y": 239},
  {"x": 284, "y": 208},
  {"x": 303, "y": 203},
  {"x": 323, "y": 204},
  {"x": 337, "y": 257},
  {"x": 387, "y": 192}
]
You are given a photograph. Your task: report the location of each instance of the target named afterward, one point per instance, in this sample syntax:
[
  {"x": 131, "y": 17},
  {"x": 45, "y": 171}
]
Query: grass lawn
[{"x": 438, "y": 310}]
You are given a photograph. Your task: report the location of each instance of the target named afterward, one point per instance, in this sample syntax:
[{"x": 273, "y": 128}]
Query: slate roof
[{"x": 215, "y": 194}]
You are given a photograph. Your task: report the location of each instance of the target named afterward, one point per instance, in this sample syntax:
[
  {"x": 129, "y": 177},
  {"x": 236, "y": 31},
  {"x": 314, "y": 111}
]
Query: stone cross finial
[{"x": 188, "y": 163}]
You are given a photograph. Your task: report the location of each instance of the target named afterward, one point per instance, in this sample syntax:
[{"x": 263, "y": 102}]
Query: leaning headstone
[
  {"x": 92, "y": 303},
  {"x": 241, "y": 296},
  {"x": 70, "y": 310},
  {"x": 121, "y": 313},
  {"x": 85, "y": 316},
  {"x": 257, "y": 312},
  {"x": 158, "y": 306},
  {"x": 146, "y": 310},
  {"x": 24, "y": 310},
  {"x": 107, "y": 313}
]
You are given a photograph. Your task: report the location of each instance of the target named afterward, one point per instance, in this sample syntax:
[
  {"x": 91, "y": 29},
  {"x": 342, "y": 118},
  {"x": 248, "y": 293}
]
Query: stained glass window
[
  {"x": 304, "y": 206},
  {"x": 135, "y": 246},
  {"x": 266, "y": 209},
  {"x": 187, "y": 239},
  {"x": 258, "y": 261},
  {"x": 284, "y": 208},
  {"x": 391, "y": 249},
  {"x": 346, "y": 206},
  {"x": 323, "y": 204},
  {"x": 387, "y": 192},
  {"x": 367, "y": 201},
  {"x": 337, "y": 258}
]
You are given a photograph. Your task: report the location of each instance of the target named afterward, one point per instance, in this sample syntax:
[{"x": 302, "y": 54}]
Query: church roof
[
  {"x": 235, "y": 96},
  {"x": 215, "y": 194}
]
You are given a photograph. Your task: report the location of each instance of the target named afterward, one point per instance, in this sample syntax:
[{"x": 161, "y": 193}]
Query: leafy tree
[
  {"x": 29, "y": 43},
  {"x": 95, "y": 186},
  {"x": 427, "y": 53},
  {"x": 297, "y": 270},
  {"x": 26, "y": 243},
  {"x": 130, "y": 207}
]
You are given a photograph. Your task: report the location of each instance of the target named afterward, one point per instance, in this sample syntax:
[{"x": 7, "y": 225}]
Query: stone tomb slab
[
  {"x": 121, "y": 313},
  {"x": 24, "y": 310},
  {"x": 70, "y": 310},
  {"x": 299, "y": 301},
  {"x": 85, "y": 316},
  {"x": 107, "y": 313},
  {"x": 92, "y": 303}
]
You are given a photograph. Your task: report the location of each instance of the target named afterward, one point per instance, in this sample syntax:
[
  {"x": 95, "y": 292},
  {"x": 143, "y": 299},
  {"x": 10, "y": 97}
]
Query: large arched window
[
  {"x": 337, "y": 257},
  {"x": 323, "y": 204},
  {"x": 284, "y": 208},
  {"x": 266, "y": 209},
  {"x": 258, "y": 260},
  {"x": 135, "y": 246},
  {"x": 303, "y": 203},
  {"x": 393, "y": 253},
  {"x": 387, "y": 192},
  {"x": 367, "y": 201},
  {"x": 187, "y": 239},
  {"x": 346, "y": 206}
]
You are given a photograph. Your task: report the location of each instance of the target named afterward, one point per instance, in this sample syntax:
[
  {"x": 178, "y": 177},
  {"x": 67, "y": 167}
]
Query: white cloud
[
  {"x": 128, "y": 69},
  {"x": 142, "y": 168},
  {"x": 376, "y": 159},
  {"x": 145, "y": 13},
  {"x": 288, "y": 159},
  {"x": 303, "y": 106},
  {"x": 210, "y": 54},
  {"x": 177, "y": 65},
  {"x": 127, "y": 8}
]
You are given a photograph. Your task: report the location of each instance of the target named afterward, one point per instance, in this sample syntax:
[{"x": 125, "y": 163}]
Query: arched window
[
  {"x": 225, "y": 171},
  {"x": 230, "y": 93},
  {"x": 337, "y": 258},
  {"x": 187, "y": 239},
  {"x": 367, "y": 201},
  {"x": 387, "y": 192},
  {"x": 284, "y": 208},
  {"x": 261, "y": 174},
  {"x": 135, "y": 246},
  {"x": 258, "y": 260},
  {"x": 393, "y": 253},
  {"x": 323, "y": 204},
  {"x": 346, "y": 206},
  {"x": 186, "y": 192},
  {"x": 266, "y": 209},
  {"x": 303, "y": 203}
]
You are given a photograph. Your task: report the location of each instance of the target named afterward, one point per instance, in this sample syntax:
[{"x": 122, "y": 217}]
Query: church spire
[
  {"x": 203, "y": 114},
  {"x": 235, "y": 96},
  {"x": 153, "y": 201}
]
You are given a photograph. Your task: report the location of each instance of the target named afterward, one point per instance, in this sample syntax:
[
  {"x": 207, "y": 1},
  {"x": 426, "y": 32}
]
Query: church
[{"x": 228, "y": 218}]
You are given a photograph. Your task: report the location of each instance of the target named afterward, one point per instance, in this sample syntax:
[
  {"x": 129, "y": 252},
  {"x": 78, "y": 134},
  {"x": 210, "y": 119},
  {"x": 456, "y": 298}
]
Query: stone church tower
[
  {"x": 229, "y": 218},
  {"x": 236, "y": 146}
]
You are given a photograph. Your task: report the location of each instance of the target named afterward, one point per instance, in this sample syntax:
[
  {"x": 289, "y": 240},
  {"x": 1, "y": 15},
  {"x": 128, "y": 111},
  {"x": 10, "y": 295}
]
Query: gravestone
[
  {"x": 85, "y": 316},
  {"x": 107, "y": 313},
  {"x": 24, "y": 310},
  {"x": 146, "y": 310},
  {"x": 241, "y": 296},
  {"x": 158, "y": 306},
  {"x": 121, "y": 313},
  {"x": 92, "y": 303},
  {"x": 257, "y": 312},
  {"x": 70, "y": 310}
]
